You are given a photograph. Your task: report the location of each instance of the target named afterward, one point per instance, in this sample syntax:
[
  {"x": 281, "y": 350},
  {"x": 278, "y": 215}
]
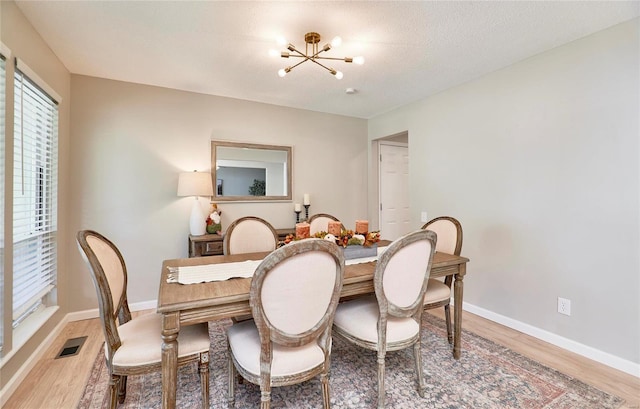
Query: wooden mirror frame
[{"x": 249, "y": 198}]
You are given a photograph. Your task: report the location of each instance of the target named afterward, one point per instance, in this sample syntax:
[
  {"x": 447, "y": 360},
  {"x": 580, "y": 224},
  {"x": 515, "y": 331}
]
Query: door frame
[{"x": 398, "y": 139}]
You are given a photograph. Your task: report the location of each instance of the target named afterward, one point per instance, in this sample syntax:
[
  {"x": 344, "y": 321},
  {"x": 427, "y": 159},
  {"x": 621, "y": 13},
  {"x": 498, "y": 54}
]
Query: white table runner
[
  {"x": 212, "y": 272},
  {"x": 224, "y": 271}
]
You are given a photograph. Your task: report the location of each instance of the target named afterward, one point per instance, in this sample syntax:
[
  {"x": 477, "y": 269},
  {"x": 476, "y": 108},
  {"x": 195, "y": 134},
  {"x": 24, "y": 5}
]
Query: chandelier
[{"x": 312, "y": 53}]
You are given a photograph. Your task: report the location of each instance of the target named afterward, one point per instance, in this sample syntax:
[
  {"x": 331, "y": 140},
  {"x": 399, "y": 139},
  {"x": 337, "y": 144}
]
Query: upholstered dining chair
[
  {"x": 320, "y": 222},
  {"x": 249, "y": 234},
  {"x": 293, "y": 296},
  {"x": 391, "y": 320},
  {"x": 134, "y": 346},
  {"x": 449, "y": 231}
]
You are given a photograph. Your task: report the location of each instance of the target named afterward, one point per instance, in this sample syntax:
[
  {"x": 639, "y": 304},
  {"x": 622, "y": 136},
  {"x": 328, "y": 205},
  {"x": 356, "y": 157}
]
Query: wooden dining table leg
[
  {"x": 457, "y": 310},
  {"x": 170, "y": 328}
]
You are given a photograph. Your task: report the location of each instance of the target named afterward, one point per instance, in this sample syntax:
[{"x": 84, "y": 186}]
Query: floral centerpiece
[
  {"x": 355, "y": 245},
  {"x": 349, "y": 238},
  {"x": 346, "y": 238}
]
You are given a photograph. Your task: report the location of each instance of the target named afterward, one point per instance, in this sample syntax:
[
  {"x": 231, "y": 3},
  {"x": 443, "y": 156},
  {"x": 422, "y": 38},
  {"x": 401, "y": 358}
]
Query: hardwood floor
[{"x": 59, "y": 383}]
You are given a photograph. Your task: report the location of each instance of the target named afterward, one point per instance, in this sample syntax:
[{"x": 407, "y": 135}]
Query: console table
[{"x": 211, "y": 244}]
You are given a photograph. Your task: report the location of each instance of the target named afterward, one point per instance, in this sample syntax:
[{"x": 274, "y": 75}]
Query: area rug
[{"x": 486, "y": 376}]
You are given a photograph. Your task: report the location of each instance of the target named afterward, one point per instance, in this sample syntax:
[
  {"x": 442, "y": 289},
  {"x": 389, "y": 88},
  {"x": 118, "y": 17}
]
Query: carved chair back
[
  {"x": 401, "y": 276},
  {"x": 294, "y": 294},
  {"x": 109, "y": 274},
  {"x": 449, "y": 231},
  {"x": 249, "y": 234}
]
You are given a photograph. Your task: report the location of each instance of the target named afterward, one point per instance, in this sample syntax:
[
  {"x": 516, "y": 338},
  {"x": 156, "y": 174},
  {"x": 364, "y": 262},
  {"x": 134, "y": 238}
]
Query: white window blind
[
  {"x": 3, "y": 91},
  {"x": 34, "y": 195}
]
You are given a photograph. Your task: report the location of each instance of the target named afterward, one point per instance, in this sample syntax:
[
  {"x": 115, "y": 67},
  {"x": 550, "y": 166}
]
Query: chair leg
[
  {"x": 114, "y": 384},
  {"x": 203, "y": 369},
  {"x": 447, "y": 313},
  {"x": 122, "y": 389},
  {"x": 381, "y": 390},
  {"x": 421, "y": 384},
  {"x": 231, "y": 392},
  {"x": 447, "y": 318},
  {"x": 265, "y": 396},
  {"x": 324, "y": 381}
]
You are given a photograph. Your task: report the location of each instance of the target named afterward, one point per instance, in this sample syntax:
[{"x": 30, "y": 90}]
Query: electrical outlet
[
  {"x": 564, "y": 306},
  {"x": 423, "y": 217}
]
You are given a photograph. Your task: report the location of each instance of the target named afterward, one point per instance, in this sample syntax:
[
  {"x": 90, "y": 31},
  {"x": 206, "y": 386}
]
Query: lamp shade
[{"x": 195, "y": 184}]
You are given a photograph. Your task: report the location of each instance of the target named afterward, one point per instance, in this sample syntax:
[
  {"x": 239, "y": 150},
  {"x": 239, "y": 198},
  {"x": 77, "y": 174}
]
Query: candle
[
  {"x": 362, "y": 226},
  {"x": 334, "y": 228},
  {"x": 306, "y": 200},
  {"x": 297, "y": 207},
  {"x": 302, "y": 230}
]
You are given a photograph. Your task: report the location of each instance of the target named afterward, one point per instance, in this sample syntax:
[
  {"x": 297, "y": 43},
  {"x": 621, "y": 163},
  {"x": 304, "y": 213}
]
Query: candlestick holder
[
  {"x": 298, "y": 216},
  {"x": 306, "y": 212}
]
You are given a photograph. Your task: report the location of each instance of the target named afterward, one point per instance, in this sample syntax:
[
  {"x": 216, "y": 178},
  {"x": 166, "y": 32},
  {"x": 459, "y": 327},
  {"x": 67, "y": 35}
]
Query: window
[{"x": 35, "y": 164}]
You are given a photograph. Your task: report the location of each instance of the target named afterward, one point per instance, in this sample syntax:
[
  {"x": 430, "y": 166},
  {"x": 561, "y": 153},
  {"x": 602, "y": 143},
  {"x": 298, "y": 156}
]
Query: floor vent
[{"x": 71, "y": 347}]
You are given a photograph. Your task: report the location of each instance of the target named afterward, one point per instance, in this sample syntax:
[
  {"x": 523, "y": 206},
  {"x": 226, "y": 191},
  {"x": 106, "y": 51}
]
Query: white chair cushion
[
  {"x": 296, "y": 293},
  {"x": 405, "y": 273},
  {"x": 447, "y": 235},
  {"x": 245, "y": 347},
  {"x": 436, "y": 291},
  {"x": 112, "y": 267},
  {"x": 142, "y": 339},
  {"x": 251, "y": 236},
  {"x": 360, "y": 319}
]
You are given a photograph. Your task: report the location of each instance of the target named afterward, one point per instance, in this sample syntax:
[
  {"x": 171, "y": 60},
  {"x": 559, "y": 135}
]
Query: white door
[{"x": 394, "y": 191}]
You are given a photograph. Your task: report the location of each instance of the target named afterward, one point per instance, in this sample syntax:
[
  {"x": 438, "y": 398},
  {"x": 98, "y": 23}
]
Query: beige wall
[
  {"x": 24, "y": 42},
  {"x": 120, "y": 159},
  {"x": 540, "y": 163},
  {"x": 129, "y": 142}
]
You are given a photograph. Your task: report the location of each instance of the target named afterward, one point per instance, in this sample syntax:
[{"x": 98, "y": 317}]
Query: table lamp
[{"x": 196, "y": 184}]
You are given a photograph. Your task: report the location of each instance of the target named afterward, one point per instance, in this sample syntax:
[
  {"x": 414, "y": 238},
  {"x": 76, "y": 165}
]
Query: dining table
[{"x": 188, "y": 304}]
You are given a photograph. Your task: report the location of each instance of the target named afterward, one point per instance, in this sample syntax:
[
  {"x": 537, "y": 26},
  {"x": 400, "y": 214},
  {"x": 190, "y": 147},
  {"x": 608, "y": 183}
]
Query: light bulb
[
  {"x": 358, "y": 60},
  {"x": 336, "y": 41},
  {"x": 274, "y": 53},
  {"x": 339, "y": 75},
  {"x": 282, "y": 72},
  {"x": 281, "y": 41}
]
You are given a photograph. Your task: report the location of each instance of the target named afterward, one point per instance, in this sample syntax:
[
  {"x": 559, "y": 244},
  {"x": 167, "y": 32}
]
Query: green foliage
[{"x": 258, "y": 188}]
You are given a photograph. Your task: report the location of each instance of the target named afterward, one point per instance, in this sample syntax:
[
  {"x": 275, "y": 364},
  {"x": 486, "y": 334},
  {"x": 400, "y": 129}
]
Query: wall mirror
[{"x": 248, "y": 172}]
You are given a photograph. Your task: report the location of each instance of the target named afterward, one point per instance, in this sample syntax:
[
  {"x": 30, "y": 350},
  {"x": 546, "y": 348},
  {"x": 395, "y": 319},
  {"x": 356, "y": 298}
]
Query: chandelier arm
[
  {"x": 323, "y": 66},
  {"x": 334, "y": 58},
  {"x": 299, "y": 52},
  {"x": 310, "y": 56},
  {"x": 295, "y": 65},
  {"x": 314, "y": 56}
]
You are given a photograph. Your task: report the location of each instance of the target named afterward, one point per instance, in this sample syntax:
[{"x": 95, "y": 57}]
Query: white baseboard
[
  {"x": 594, "y": 354},
  {"x": 95, "y": 313},
  {"x": 20, "y": 375}
]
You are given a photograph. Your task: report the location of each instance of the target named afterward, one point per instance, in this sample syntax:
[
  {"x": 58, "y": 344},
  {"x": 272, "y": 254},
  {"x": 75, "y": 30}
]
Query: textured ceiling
[{"x": 412, "y": 49}]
